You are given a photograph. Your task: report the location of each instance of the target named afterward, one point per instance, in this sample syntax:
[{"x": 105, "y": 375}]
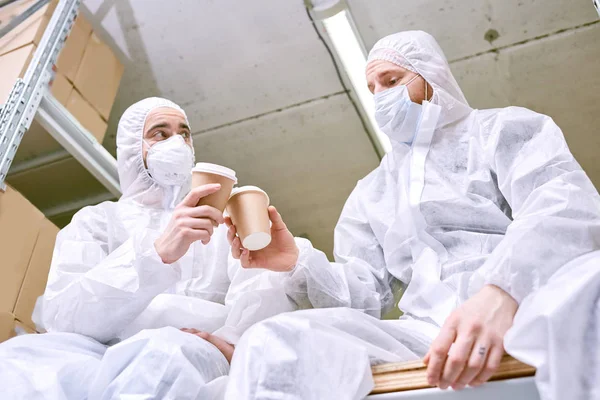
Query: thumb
[
  {"x": 194, "y": 196},
  {"x": 278, "y": 224}
]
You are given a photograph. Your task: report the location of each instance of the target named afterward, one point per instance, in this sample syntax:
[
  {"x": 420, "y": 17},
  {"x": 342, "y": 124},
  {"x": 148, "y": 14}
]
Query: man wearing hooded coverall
[
  {"x": 471, "y": 212},
  {"x": 138, "y": 287}
]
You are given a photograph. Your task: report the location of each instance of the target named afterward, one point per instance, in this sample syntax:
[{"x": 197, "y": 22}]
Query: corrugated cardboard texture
[
  {"x": 37, "y": 273},
  {"x": 20, "y": 224},
  {"x": 87, "y": 116},
  {"x": 71, "y": 55},
  {"x": 99, "y": 76}
]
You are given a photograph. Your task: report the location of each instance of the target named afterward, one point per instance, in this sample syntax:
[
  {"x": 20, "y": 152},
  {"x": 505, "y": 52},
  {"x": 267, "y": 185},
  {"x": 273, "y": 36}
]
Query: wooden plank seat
[{"x": 412, "y": 375}]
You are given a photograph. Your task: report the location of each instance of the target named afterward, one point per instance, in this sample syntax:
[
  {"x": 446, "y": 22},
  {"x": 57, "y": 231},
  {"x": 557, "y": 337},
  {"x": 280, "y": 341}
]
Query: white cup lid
[
  {"x": 243, "y": 189},
  {"x": 215, "y": 169}
]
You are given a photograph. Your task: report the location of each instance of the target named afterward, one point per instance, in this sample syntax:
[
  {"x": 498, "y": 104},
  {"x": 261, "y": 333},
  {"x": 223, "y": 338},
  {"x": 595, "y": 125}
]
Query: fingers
[
  {"x": 245, "y": 258},
  {"x": 457, "y": 359},
  {"x": 228, "y": 221},
  {"x": 426, "y": 358},
  {"x": 474, "y": 365},
  {"x": 236, "y": 248},
  {"x": 438, "y": 354},
  {"x": 190, "y": 330},
  {"x": 239, "y": 252},
  {"x": 231, "y": 234},
  {"x": 199, "y": 224},
  {"x": 491, "y": 365},
  {"x": 224, "y": 347},
  {"x": 195, "y": 235},
  {"x": 278, "y": 224},
  {"x": 194, "y": 196},
  {"x": 205, "y": 212}
]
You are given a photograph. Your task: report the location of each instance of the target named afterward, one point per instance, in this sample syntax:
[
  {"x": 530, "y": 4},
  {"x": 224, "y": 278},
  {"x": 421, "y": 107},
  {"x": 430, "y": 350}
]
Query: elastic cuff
[
  {"x": 478, "y": 281},
  {"x": 305, "y": 250},
  {"x": 145, "y": 247}
]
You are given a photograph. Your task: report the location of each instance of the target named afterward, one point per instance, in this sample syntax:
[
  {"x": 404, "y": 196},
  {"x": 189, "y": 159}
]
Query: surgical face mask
[
  {"x": 170, "y": 161},
  {"x": 396, "y": 114}
]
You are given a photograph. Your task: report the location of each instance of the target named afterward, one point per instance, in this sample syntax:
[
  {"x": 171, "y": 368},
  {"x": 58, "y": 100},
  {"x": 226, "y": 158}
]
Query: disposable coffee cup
[
  {"x": 206, "y": 173},
  {"x": 248, "y": 209}
]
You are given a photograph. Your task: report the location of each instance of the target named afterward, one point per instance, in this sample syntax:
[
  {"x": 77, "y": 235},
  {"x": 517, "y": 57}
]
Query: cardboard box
[
  {"x": 36, "y": 276},
  {"x": 12, "y": 66},
  {"x": 99, "y": 76},
  {"x": 61, "y": 88},
  {"x": 18, "y": 46},
  {"x": 11, "y": 327},
  {"x": 20, "y": 224},
  {"x": 7, "y": 326},
  {"x": 58, "y": 183},
  {"x": 71, "y": 55},
  {"x": 22, "y": 328},
  {"x": 29, "y": 31},
  {"x": 87, "y": 116}
]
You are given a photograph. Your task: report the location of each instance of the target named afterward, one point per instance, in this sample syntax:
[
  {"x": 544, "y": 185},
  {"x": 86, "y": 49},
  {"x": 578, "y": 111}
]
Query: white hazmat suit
[
  {"x": 476, "y": 197},
  {"x": 107, "y": 284}
]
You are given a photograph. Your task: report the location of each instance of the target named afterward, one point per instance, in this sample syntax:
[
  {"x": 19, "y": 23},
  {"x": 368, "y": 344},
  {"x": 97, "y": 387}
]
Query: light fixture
[{"x": 351, "y": 52}]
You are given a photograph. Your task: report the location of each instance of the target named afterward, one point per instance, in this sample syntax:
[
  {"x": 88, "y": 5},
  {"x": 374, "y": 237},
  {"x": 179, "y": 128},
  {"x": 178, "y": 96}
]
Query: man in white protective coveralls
[
  {"x": 136, "y": 271},
  {"x": 471, "y": 211}
]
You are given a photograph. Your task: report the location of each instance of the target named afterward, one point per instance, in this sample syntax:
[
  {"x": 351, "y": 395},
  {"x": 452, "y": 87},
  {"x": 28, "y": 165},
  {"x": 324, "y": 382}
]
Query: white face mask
[
  {"x": 396, "y": 114},
  {"x": 170, "y": 161}
]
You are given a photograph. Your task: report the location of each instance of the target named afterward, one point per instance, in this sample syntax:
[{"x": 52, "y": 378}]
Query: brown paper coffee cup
[
  {"x": 204, "y": 174},
  {"x": 248, "y": 209}
]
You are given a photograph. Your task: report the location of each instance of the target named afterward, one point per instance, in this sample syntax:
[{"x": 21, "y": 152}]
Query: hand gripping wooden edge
[{"x": 412, "y": 375}]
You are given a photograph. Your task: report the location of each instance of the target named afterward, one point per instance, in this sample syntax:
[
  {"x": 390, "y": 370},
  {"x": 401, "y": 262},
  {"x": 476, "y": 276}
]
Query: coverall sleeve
[
  {"x": 357, "y": 279},
  {"x": 555, "y": 207},
  {"x": 94, "y": 292}
]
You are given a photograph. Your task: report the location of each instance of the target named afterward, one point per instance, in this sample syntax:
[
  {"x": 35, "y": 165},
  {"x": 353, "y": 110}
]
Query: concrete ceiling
[{"x": 263, "y": 97}]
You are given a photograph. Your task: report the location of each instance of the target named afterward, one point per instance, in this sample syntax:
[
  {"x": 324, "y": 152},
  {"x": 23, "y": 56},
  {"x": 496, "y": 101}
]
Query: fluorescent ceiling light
[{"x": 350, "y": 51}]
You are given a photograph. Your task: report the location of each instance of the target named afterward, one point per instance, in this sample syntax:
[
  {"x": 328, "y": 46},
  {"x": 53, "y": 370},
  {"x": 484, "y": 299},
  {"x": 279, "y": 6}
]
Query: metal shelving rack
[{"x": 30, "y": 98}]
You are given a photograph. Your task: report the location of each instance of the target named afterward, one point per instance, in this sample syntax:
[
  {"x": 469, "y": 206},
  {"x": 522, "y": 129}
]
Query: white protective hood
[{"x": 136, "y": 183}]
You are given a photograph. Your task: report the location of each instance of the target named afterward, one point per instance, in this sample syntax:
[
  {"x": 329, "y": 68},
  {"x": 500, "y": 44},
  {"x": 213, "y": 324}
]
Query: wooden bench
[{"x": 412, "y": 375}]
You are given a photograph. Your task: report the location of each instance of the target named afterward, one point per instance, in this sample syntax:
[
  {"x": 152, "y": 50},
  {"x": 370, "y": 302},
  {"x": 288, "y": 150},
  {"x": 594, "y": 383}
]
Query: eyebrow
[
  {"x": 392, "y": 71},
  {"x": 159, "y": 125},
  {"x": 184, "y": 126}
]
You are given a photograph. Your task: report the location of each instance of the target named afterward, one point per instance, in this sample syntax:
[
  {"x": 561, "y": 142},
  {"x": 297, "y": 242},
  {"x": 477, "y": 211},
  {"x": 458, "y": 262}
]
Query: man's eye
[
  {"x": 160, "y": 134},
  {"x": 185, "y": 134},
  {"x": 393, "y": 81}
]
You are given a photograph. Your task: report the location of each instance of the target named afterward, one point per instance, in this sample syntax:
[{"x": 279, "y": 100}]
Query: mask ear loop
[{"x": 415, "y": 77}]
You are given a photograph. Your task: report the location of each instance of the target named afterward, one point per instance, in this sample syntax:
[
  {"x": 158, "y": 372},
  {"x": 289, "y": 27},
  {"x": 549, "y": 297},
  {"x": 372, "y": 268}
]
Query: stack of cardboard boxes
[
  {"x": 87, "y": 71},
  {"x": 86, "y": 82},
  {"x": 26, "y": 246}
]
